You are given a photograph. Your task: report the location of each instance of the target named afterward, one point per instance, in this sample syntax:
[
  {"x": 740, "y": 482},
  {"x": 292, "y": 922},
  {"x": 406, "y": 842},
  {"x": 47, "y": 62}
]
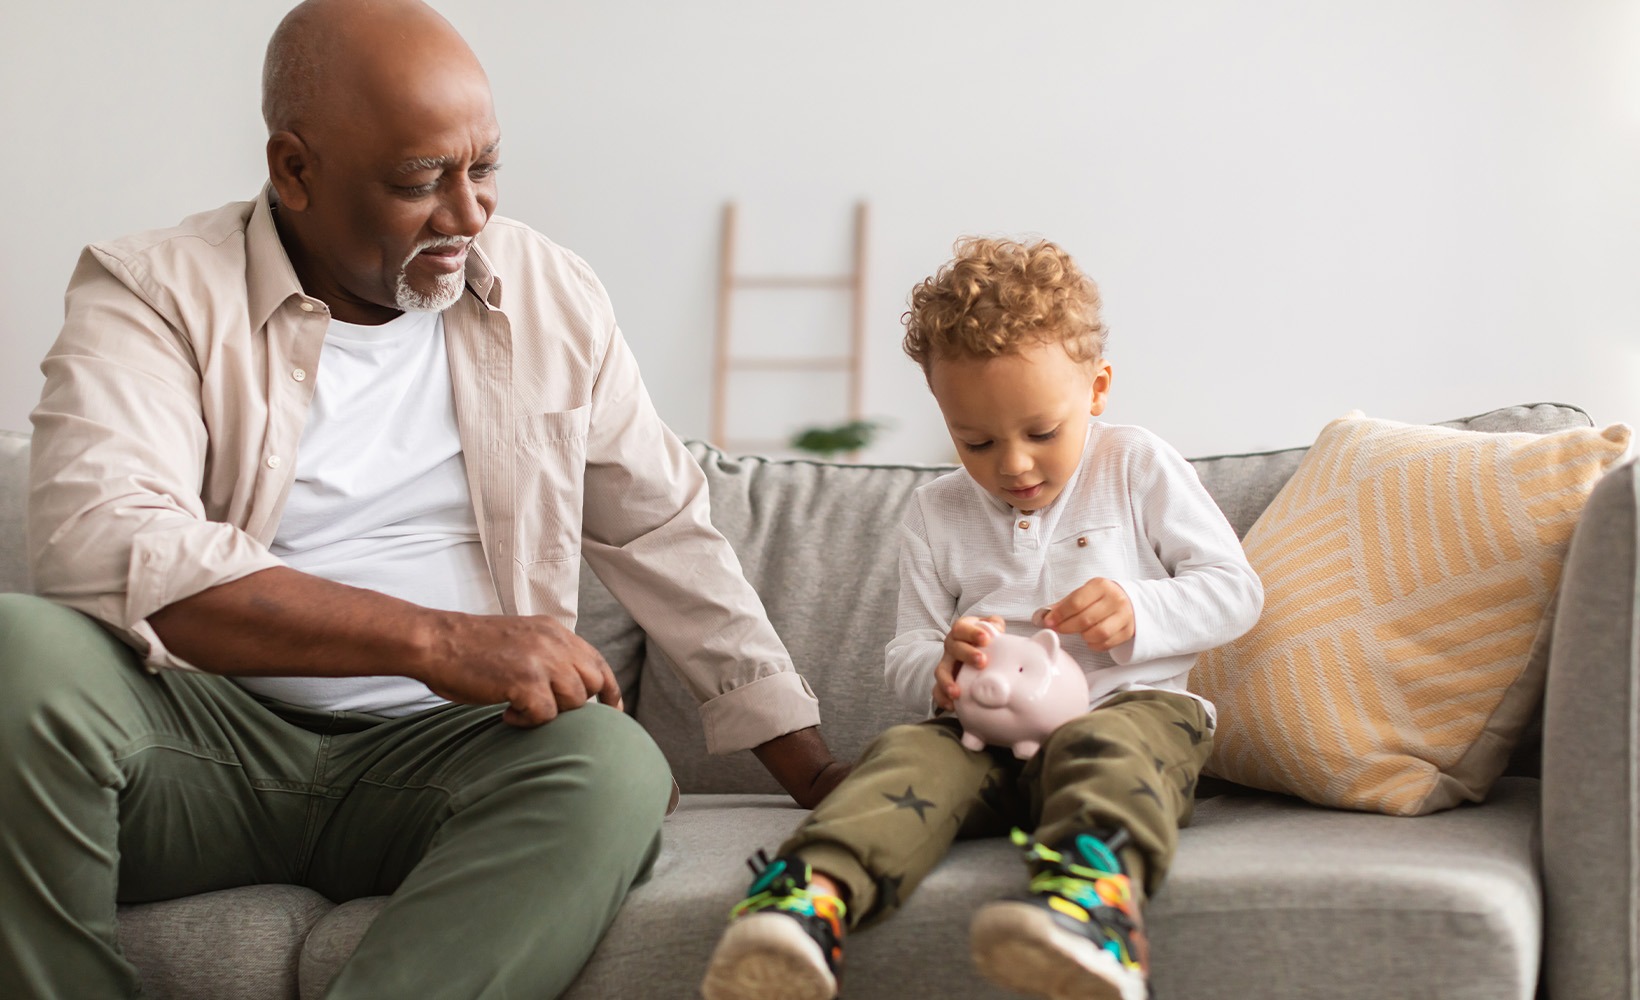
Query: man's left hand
[{"x": 803, "y": 765}]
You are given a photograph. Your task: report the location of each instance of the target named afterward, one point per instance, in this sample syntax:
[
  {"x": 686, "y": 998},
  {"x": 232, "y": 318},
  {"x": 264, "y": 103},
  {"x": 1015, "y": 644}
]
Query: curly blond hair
[{"x": 995, "y": 297}]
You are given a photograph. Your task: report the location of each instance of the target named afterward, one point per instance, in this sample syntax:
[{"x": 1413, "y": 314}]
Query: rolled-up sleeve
[
  {"x": 116, "y": 527},
  {"x": 648, "y": 535}
]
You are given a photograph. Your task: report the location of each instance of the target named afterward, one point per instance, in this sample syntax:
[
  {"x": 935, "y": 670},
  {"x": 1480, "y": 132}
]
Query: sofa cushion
[
  {"x": 332, "y": 940},
  {"x": 236, "y": 944},
  {"x": 13, "y": 512},
  {"x": 603, "y": 622},
  {"x": 1407, "y": 570},
  {"x": 818, "y": 541},
  {"x": 1268, "y": 897},
  {"x": 1272, "y": 898}
]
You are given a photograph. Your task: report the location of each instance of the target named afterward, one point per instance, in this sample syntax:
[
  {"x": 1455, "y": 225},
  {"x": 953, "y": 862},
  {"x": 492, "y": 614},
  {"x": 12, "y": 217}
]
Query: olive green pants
[
  {"x": 1130, "y": 764},
  {"x": 507, "y": 851}
]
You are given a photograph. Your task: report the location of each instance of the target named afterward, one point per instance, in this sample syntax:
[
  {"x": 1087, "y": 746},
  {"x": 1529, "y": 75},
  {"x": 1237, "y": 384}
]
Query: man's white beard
[{"x": 446, "y": 287}]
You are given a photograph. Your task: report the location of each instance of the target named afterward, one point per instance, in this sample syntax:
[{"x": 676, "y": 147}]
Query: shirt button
[
  {"x": 1082, "y": 542},
  {"x": 298, "y": 374},
  {"x": 1024, "y": 526},
  {"x": 307, "y": 307},
  {"x": 273, "y": 461}
]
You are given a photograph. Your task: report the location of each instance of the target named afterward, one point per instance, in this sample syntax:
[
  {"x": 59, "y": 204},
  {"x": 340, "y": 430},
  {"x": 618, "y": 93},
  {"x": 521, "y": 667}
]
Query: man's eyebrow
[{"x": 420, "y": 163}]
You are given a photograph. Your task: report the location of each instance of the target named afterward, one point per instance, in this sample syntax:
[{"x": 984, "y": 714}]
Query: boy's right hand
[{"x": 964, "y": 646}]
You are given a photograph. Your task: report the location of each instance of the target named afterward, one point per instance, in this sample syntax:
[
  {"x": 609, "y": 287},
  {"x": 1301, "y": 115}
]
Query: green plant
[{"x": 829, "y": 441}]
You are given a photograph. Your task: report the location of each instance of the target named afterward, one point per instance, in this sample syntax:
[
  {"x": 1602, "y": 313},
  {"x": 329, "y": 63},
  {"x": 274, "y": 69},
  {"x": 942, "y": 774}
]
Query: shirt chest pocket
[
  {"x": 1077, "y": 555},
  {"x": 551, "y": 472}
]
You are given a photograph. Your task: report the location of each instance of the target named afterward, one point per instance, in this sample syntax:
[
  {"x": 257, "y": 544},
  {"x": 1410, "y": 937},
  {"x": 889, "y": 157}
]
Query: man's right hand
[
  {"x": 532, "y": 663},
  {"x": 964, "y": 646}
]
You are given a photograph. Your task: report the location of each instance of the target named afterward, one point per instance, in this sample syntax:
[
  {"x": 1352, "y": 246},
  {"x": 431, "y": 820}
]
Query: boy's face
[{"x": 1019, "y": 421}]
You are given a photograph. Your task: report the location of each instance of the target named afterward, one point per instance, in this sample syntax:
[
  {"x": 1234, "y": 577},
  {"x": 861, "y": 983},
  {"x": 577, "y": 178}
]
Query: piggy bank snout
[{"x": 990, "y": 688}]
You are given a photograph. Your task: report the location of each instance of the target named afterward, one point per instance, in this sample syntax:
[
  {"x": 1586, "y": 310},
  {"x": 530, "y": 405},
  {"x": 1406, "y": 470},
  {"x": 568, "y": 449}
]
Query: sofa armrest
[{"x": 1591, "y": 752}]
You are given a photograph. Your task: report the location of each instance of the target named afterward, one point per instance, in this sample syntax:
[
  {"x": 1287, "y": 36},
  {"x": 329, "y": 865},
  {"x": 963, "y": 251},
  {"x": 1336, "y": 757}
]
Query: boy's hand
[
  {"x": 1099, "y": 611},
  {"x": 963, "y": 646}
]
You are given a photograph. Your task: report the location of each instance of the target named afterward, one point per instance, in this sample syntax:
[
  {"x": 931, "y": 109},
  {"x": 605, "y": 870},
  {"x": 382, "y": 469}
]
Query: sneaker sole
[
  {"x": 767, "y": 956},
  {"x": 1019, "y": 947}
]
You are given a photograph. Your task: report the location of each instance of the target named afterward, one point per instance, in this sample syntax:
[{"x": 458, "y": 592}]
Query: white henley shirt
[{"x": 1134, "y": 512}]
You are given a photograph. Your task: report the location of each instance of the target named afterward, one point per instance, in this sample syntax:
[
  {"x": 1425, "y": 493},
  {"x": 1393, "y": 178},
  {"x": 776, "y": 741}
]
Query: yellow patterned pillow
[{"x": 1406, "y": 573}]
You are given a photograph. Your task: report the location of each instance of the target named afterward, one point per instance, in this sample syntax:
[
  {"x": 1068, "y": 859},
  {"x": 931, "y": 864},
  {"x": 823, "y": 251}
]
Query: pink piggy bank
[{"x": 1027, "y": 689}]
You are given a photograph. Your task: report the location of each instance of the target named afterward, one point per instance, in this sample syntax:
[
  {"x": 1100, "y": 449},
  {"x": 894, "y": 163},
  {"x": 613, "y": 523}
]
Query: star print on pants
[
  {"x": 1087, "y": 746},
  {"x": 1143, "y": 788},
  {"x": 1194, "y": 733},
  {"x": 910, "y": 801}
]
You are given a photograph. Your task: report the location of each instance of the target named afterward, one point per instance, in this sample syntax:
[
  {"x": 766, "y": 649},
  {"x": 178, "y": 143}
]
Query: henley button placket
[{"x": 1025, "y": 539}]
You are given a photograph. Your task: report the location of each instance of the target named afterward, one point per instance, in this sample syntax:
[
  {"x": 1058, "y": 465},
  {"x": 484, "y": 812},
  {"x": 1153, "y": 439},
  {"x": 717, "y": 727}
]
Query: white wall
[{"x": 1422, "y": 209}]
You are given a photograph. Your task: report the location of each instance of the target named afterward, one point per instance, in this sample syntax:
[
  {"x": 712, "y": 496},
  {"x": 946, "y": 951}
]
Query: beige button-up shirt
[{"x": 165, "y": 442}]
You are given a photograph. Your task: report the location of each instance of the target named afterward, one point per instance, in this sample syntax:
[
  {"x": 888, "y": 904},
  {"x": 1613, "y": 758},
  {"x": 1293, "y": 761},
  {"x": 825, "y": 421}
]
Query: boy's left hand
[{"x": 1099, "y": 611}]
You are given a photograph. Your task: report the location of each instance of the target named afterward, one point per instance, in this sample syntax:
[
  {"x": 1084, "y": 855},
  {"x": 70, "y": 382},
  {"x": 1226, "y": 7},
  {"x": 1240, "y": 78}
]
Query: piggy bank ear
[
  {"x": 1048, "y": 639},
  {"x": 989, "y": 627}
]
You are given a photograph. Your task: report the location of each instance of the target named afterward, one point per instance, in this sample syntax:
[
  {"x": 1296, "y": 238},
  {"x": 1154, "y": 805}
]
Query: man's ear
[
  {"x": 290, "y": 169},
  {"x": 1102, "y": 375}
]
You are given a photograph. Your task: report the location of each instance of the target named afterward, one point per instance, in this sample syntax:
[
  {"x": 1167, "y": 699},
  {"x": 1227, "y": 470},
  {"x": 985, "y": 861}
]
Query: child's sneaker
[
  {"x": 784, "y": 942},
  {"x": 1078, "y": 936}
]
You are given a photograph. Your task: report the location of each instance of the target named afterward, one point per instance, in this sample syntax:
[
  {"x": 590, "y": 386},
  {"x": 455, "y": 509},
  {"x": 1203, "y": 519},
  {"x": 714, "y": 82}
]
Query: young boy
[{"x": 1100, "y": 532}]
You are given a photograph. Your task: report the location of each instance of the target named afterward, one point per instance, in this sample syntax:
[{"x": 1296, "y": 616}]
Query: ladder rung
[
  {"x": 790, "y": 364},
  {"x": 792, "y": 281}
]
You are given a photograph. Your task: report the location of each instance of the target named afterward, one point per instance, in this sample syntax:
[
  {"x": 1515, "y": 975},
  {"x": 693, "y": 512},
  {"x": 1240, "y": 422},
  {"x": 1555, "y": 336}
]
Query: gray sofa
[{"x": 1537, "y": 888}]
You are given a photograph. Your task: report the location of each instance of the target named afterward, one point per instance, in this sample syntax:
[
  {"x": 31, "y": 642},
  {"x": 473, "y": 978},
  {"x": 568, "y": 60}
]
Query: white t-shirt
[
  {"x": 380, "y": 498},
  {"x": 1134, "y": 512}
]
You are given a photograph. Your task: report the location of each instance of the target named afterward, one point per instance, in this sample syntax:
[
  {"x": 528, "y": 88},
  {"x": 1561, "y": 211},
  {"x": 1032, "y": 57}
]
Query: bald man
[{"x": 322, "y": 467}]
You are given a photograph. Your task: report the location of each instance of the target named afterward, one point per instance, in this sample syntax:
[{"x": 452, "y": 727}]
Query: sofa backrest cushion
[
  {"x": 819, "y": 542},
  {"x": 13, "y": 511}
]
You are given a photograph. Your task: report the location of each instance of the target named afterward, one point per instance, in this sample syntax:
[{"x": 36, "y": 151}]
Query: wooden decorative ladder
[{"x": 851, "y": 362}]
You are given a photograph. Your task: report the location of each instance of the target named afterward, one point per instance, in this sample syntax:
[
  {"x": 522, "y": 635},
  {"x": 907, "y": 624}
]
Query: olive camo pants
[{"x": 1130, "y": 764}]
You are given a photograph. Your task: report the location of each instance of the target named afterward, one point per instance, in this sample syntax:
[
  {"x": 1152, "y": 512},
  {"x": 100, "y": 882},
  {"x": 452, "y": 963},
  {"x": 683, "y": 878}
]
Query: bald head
[
  {"x": 329, "y": 56},
  {"x": 382, "y": 153}
]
